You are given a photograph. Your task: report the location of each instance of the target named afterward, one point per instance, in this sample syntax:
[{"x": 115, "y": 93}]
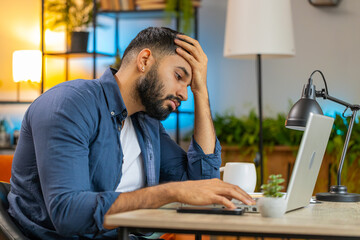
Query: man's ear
[{"x": 144, "y": 60}]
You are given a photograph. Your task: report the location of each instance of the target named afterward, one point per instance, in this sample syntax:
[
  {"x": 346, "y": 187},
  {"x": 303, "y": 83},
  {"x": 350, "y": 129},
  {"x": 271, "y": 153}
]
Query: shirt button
[
  {"x": 124, "y": 113},
  {"x": 112, "y": 113},
  {"x": 119, "y": 128}
]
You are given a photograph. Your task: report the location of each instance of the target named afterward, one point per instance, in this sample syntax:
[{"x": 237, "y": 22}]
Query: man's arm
[
  {"x": 61, "y": 126},
  {"x": 204, "y": 132},
  {"x": 200, "y": 192}
]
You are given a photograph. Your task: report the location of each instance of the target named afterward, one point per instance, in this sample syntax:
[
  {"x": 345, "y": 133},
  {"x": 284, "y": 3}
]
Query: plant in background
[
  {"x": 233, "y": 130},
  {"x": 74, "y": 15},
  {"x": 273, "y": 188},
  {"x": 244, "y": 131},
  {"x": 183, "y": 9}
]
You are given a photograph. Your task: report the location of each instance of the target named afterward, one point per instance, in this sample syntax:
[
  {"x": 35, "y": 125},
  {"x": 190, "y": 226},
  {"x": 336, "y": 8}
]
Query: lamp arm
[
  {"x": 324, "y": 95},
  {"x": 355, "y": 108},
  {"x": 347, "y": 139}
]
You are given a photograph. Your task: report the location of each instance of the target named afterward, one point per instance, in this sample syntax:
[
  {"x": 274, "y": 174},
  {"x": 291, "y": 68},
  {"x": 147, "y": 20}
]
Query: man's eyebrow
[{"x": 184, "y": 70}]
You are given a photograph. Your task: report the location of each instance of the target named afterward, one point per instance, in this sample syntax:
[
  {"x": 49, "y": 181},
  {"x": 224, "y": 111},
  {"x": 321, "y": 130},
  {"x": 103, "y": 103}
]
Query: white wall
[
  {"x": 19, "y": 30},
  {"x": 325, "y": 39}
]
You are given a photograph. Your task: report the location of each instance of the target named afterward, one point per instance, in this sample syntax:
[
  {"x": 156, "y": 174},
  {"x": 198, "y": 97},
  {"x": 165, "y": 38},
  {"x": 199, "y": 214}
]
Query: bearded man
[{"x": 91, "y": 148}]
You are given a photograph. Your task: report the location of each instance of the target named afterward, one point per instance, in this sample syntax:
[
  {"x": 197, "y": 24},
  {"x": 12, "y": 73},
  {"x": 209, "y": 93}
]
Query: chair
[
  {"x": 8, "y": 229},
  {"x": 5, "y": 166}
]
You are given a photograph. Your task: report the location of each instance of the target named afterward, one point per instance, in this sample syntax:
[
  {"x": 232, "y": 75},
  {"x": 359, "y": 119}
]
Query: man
[{"x": 91, "y": 148}]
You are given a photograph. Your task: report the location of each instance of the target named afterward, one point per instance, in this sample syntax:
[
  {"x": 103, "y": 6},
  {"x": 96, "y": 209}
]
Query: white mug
[{"x": 241, "y": 174}]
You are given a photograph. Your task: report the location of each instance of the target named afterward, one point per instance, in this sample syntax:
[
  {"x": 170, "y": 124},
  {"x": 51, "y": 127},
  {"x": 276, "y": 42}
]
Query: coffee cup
[{"x": 240, "y": 174}]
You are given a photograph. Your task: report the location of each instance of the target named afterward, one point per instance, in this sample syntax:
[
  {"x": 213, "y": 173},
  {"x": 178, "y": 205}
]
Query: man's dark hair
[{"x": 160, "y": 40}]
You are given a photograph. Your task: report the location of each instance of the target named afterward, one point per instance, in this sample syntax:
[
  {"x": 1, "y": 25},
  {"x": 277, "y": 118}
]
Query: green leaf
[{"x": 272, "y": 188}]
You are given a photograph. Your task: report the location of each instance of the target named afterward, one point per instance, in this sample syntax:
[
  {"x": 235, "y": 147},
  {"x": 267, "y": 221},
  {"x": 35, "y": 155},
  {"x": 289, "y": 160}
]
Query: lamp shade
[
  {"x": 300, "y": 112},
  {"x": 259, "y": 27},
  {"x": 27, "y": 65}
]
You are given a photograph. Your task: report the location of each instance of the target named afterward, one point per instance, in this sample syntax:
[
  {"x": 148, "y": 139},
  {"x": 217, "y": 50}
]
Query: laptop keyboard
[
  {"x": 238, "y": 204},
  {"x": 247, "y": 208}
]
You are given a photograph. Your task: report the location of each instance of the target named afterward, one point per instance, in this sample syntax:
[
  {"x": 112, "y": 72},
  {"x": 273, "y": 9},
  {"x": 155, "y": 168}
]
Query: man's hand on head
[{"x": 192, "y": 52}]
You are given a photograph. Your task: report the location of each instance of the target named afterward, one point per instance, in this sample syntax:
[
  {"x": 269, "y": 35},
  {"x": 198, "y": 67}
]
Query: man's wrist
[
  {"x": 171, "y": 191},
  {"x": 201, "y": 93}
]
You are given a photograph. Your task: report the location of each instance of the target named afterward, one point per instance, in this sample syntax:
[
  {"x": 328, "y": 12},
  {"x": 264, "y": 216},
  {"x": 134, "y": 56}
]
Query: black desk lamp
[{"x": 297, "y": 119}]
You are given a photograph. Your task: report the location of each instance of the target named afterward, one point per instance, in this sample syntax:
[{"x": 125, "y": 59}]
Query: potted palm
[
  {"x": 273, "y": 203},
  {"x": 73, "y": 15}
]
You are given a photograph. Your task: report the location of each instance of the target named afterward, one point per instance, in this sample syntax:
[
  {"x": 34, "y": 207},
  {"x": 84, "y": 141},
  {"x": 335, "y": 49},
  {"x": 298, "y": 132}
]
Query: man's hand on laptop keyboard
[{"x": 211, "y": 191}]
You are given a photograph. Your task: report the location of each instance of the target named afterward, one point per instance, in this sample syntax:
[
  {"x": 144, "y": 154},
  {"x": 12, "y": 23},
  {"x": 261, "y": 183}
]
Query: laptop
[{"x": 307, "y": 165}]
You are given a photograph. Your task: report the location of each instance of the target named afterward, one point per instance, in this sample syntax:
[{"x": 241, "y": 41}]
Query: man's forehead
[{"x": 179, "y": 62}]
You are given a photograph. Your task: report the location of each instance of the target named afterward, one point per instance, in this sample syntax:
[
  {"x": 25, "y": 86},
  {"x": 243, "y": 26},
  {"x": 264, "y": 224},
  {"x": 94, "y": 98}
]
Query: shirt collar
[{"x": 113, "y": 96}]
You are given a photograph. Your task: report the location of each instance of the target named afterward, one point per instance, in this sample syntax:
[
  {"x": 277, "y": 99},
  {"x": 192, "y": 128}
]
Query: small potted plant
[
  {"x": 273, "y": 203},
  {"x": 73, "y": 15}
]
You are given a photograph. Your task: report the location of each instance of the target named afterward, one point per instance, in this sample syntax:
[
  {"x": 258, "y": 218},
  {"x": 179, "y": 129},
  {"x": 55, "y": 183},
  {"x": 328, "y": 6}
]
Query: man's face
[{"x": 164, "y": 86}]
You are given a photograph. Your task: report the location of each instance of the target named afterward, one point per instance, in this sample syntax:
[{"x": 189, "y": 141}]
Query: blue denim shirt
[{"x": 68, "y": 160}]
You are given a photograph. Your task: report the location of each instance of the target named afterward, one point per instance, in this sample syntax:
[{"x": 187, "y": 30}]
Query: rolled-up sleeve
[
  {"x": 62, "y": 136},
  {"x": 178, "y": 165},
  {"x": 203, "y": 165}
]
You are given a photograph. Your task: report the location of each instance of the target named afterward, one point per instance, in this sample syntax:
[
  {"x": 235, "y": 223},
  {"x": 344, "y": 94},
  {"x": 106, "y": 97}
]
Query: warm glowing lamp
[{"x": 26, "y": 67}]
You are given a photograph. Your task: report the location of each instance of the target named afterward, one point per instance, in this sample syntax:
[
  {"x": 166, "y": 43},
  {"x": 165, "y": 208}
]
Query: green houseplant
[
  {"x": 75, "y": 16},
  {"x": 183, "y": 9},
  {"x": 272, "y": 204}
]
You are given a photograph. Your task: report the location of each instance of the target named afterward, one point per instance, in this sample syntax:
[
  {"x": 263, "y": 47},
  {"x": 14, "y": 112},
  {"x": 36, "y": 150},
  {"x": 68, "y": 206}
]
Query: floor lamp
[{"x": 257, "y": 29}]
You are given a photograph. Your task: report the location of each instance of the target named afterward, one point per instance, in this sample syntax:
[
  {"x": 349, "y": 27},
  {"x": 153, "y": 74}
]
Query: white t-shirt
[{"x": 133, "y": 167}]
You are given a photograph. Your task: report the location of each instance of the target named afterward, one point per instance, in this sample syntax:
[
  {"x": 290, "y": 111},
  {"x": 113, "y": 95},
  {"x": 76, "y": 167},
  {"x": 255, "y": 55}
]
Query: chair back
[
  {"x": 5, "y": 166},
  {"x": 8, "y": 229}
]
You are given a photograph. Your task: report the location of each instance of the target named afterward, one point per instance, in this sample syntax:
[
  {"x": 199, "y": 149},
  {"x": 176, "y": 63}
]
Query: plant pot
[
  {"x": 272, "y": 207},
  {"x": 79, "y": 42}
]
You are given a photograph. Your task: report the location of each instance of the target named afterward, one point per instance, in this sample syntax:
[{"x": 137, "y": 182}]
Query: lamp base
[{"x": 338, "y": 193}]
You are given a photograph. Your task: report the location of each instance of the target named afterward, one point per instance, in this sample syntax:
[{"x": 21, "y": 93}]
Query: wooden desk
[{"x": 324, "y": 221}]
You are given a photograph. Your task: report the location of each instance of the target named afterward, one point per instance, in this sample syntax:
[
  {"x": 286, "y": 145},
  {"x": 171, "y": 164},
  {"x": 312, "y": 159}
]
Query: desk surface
[{"x": 324, "y": 219}]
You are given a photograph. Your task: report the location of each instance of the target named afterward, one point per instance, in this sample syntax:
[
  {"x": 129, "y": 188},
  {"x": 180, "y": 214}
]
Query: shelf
[
  {"x": 153, "y": 13},
  {"x": 14, "y": 102},
  {"x": 77, "y": 55},
  {"x": 144, "y": 15}
]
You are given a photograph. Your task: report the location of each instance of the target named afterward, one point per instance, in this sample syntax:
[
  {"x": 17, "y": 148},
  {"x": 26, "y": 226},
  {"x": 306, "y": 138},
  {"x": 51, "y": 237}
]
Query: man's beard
[{"x": 150, "y": 91}]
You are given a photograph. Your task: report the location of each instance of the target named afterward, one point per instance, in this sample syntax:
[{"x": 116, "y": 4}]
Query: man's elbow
[
  {"x": 69, "y": 224},
  {"x": 67, "y": 228}
]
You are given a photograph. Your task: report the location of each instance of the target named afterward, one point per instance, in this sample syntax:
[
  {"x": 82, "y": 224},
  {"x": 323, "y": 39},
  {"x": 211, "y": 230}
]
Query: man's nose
[{"x": 183, "y": 93}]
